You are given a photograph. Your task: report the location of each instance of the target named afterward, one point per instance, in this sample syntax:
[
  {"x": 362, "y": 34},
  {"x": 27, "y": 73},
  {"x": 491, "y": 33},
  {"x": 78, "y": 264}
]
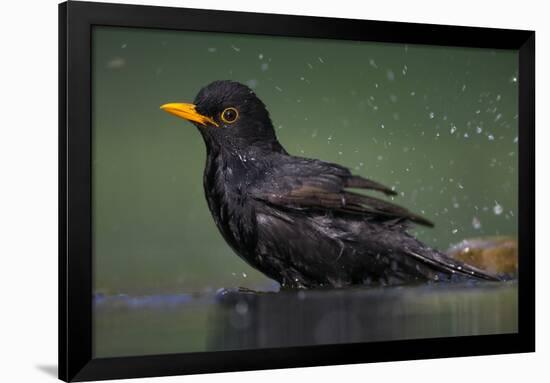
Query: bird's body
[{"x": 295, "y": 219}]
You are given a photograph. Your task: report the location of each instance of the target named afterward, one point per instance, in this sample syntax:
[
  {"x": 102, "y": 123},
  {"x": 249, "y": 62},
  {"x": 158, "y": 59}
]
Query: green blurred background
[{"x": 438, "y": 123}]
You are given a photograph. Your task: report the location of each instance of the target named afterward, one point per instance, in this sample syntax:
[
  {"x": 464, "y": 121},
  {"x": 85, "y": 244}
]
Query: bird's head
[{"x": 228, "y": 114}]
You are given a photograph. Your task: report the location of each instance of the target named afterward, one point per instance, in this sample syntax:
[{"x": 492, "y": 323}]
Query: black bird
[{"x": 295, "y": 219}]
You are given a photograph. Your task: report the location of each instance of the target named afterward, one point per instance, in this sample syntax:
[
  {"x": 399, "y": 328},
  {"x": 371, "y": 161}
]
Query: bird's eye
[{"x": 230, "y": 115}]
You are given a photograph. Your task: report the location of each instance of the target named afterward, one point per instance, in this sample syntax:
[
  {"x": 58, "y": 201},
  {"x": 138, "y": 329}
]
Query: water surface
[{"x": 232, "y": 320}]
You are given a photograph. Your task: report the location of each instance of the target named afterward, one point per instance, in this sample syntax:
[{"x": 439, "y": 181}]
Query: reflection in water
[{"x": 232, "y": 320}]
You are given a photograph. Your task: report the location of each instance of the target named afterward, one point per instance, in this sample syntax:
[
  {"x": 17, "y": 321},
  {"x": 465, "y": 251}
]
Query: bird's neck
[
  {"x": 233, "y": 146},
  {"x": 228, "y": 169},
  {"x": 229, "y": 166}
]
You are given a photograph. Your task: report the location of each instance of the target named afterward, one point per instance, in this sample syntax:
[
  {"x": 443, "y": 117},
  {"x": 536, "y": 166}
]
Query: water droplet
[
  {"x": 235, "y": 48},
  {"x": 244, "y": 274},
  {"x": 211, "y": 49},
  {"x": 241, "y": 308},
  {"x": 252, "y": 83},
  {"x": 278, "y": 88},
  {"x": 373, "y": 64},
  {"x": 497, "y": 209},
  {"x": 390, "y": 75},
  {"x": 264, "y": 67},
  {"x": 453, "y": 129},
  {"x": 116, "y": 63},
  {"x": 491, "y": 137},
  {"x": 432, "y": 115},
  {"x": 261, "y": 56},
  {"x": 476, "y": 224},
  {"x": 321, "y": 60},
  {"x": 479, "y": 129},
  {"x": 455, "y": 231}
]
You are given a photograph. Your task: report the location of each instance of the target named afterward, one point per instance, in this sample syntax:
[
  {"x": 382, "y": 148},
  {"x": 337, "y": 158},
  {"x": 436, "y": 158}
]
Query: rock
[{"x": 497, "y": 255}]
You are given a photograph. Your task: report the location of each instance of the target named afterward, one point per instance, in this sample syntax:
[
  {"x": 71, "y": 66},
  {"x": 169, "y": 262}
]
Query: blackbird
[{"x": 295, "y": 219}]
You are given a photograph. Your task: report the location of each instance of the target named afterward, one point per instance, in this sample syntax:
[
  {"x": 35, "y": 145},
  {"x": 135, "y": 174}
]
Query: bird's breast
[{"x": 225, "y": 190}]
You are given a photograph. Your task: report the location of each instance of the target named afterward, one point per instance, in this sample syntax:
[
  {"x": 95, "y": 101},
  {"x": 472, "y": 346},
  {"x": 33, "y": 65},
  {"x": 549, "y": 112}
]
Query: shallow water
[{"x": 230, "y": 319}]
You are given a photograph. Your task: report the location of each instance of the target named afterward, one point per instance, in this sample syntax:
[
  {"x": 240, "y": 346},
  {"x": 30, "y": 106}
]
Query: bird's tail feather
[{"x": 442, "y": 263}]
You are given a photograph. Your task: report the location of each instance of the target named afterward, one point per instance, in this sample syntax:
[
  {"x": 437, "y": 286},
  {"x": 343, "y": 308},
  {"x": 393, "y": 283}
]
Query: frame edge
[
  {"x": 526, "y": 195},
  {"x": 62, "y": 192},
  {"x": 75, "y": 251},
  {"x": 75, "y": 352}
]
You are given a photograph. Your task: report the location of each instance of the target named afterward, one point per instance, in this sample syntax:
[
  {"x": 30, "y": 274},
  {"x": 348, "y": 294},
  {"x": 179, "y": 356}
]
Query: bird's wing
[
  {"x": 310, "y": 184},
  {"x": 359, "y": 182}
]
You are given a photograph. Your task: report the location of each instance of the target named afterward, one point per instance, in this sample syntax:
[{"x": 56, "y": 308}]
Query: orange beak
[{"x": 188, "y": 112}]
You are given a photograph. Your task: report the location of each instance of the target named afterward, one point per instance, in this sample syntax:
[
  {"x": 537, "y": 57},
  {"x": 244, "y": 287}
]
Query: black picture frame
[{"x": 76, "y": 20}]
